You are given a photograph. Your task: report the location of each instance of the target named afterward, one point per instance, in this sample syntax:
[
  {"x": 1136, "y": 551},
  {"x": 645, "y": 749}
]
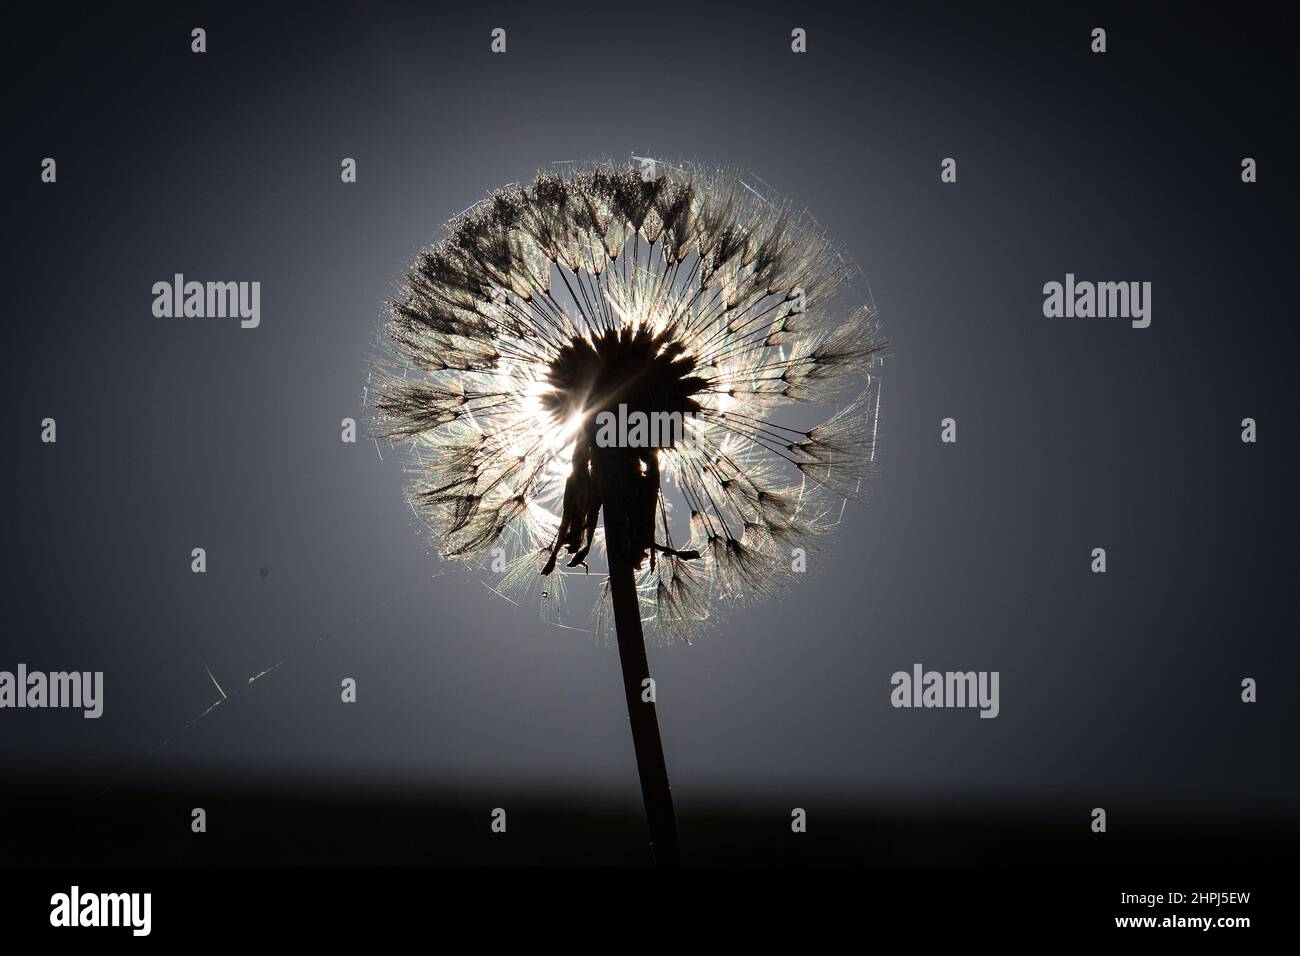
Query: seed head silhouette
[{"x": 689, "y": 295}]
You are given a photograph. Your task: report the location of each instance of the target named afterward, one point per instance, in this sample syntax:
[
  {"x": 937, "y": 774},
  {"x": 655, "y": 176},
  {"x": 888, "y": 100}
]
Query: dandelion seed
[{"x": 549, "y": 303}]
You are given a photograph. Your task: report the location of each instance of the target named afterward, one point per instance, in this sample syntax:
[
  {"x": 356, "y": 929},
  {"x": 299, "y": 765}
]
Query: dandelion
[{"x": 690, "y": 293}]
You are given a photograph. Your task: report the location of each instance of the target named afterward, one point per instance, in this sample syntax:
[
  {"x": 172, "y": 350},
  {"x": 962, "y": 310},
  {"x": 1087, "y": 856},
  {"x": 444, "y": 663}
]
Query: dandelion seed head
[{"x": 689, "y": 293}]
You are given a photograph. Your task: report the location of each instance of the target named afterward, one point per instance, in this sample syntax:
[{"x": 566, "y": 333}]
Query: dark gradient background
[{"x": 1118, "y": 690}]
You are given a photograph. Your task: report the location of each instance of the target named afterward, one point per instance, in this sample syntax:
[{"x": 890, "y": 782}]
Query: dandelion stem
[{"x": 655, "y": 790}]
